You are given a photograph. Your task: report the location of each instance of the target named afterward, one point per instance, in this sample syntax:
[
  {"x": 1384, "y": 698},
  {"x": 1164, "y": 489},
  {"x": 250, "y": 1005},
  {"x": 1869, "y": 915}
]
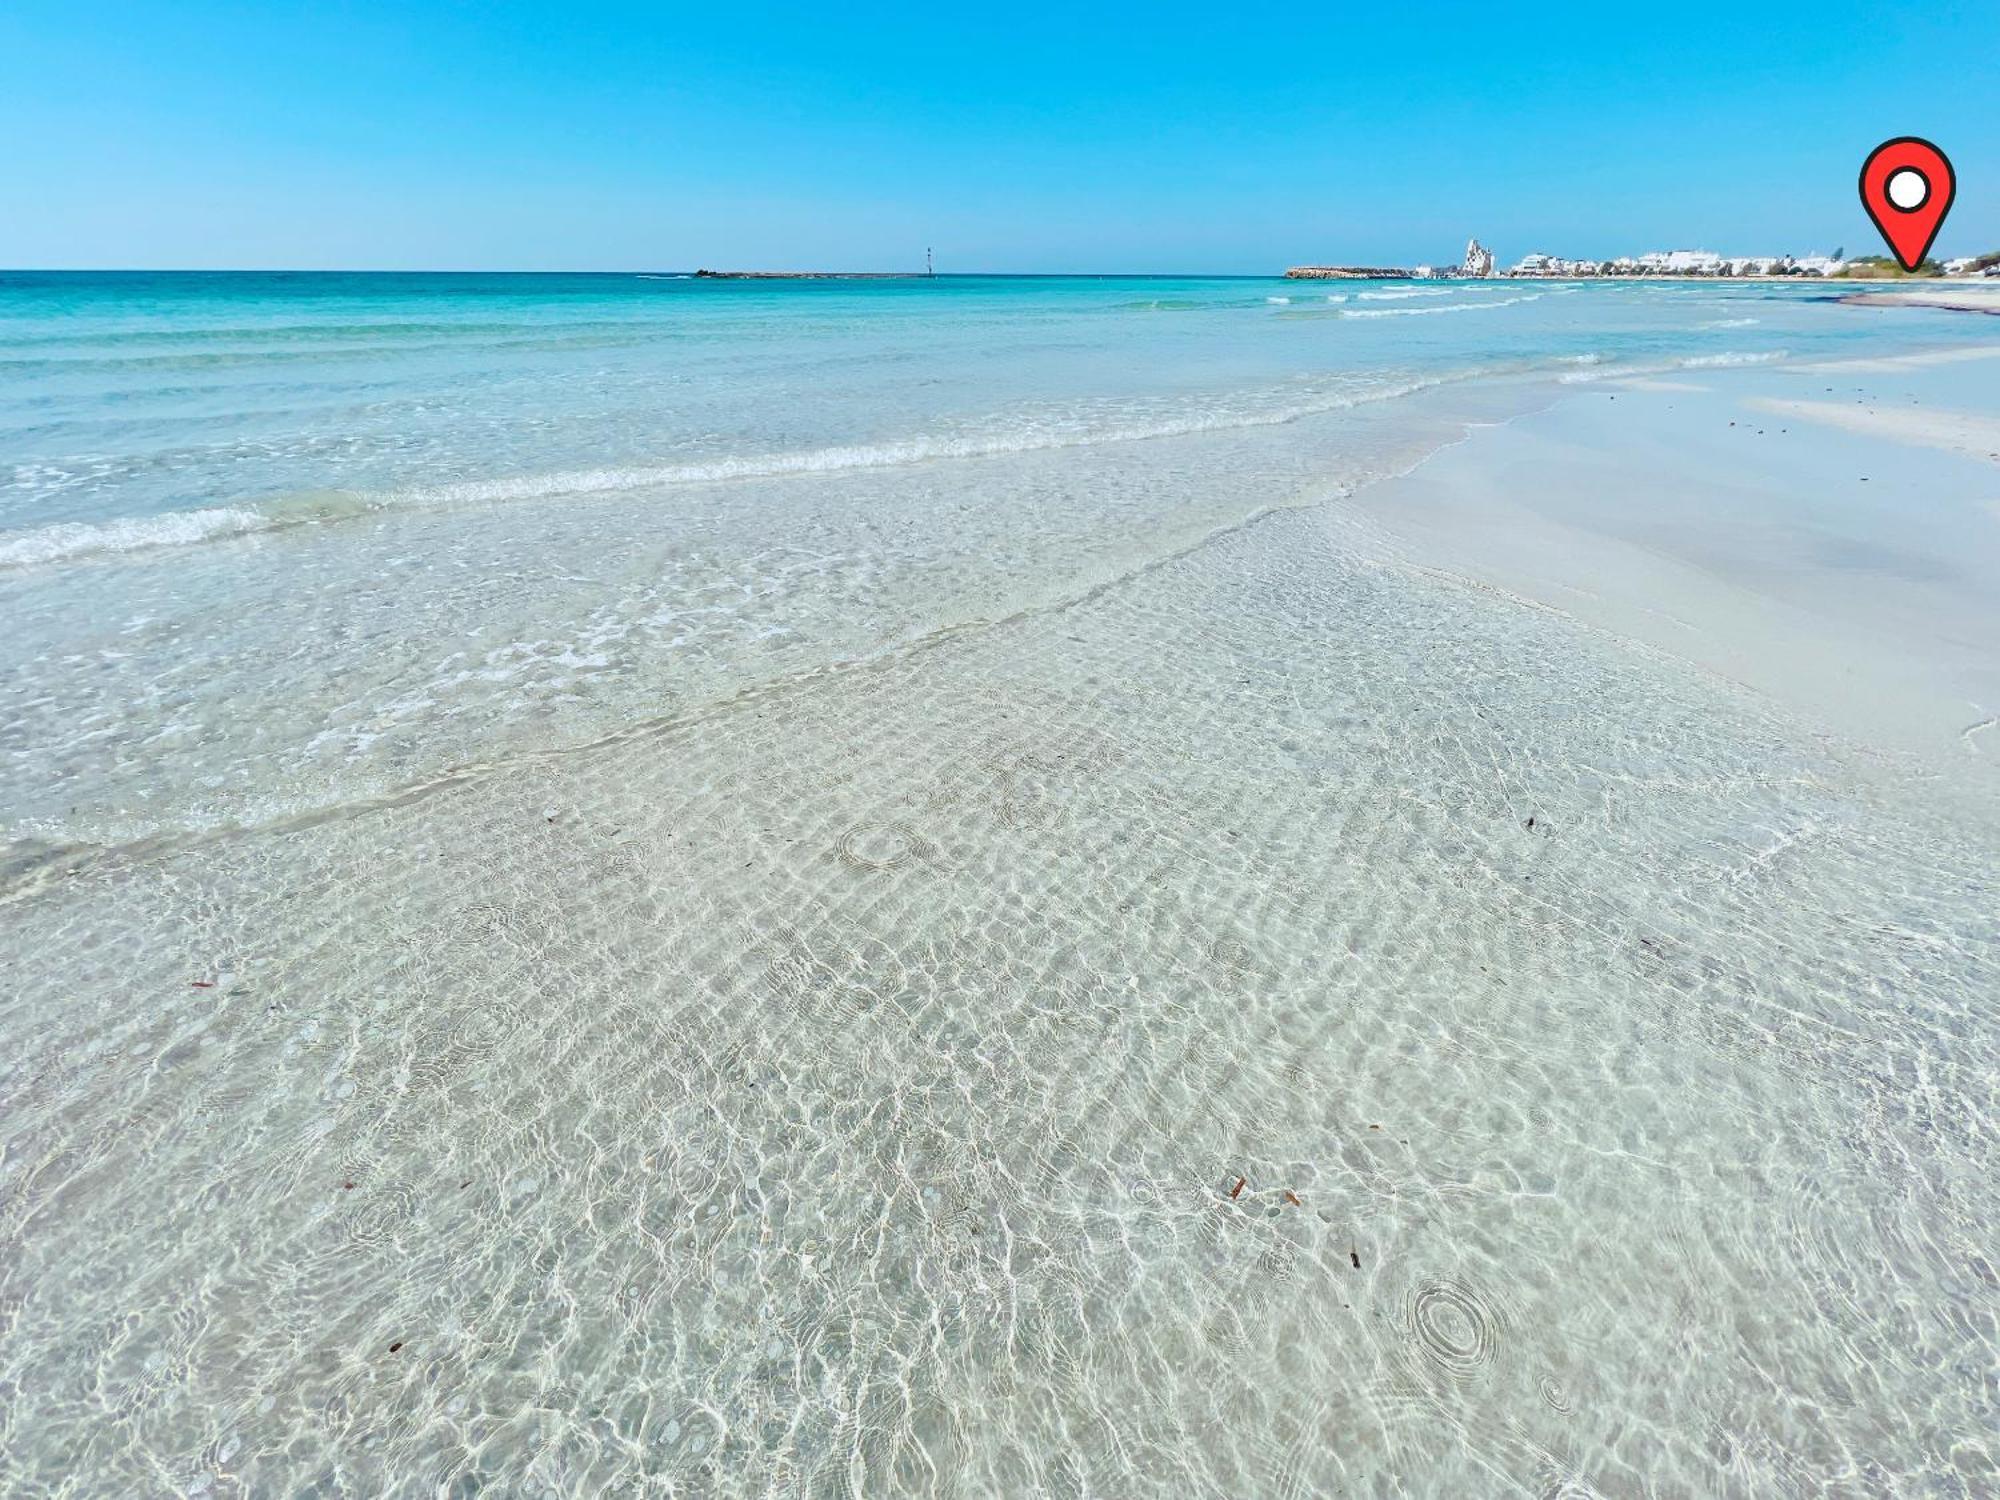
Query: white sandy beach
[
  {"x": 1826, "y": 534},
  {"x": 1956, "y": 295}
]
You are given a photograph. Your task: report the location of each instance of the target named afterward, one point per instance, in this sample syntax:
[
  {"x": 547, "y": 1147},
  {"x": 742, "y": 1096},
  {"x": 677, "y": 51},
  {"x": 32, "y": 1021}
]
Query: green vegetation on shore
[{"x": 1882, "y": 268}]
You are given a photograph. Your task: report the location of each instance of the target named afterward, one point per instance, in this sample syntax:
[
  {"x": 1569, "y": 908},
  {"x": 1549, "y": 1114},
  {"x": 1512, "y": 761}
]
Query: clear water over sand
[{"x": 1111, "y": 977}]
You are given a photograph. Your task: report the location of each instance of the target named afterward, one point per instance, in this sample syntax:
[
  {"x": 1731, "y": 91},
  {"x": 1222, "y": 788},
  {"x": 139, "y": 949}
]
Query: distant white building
[
  {"x": 1478, "y": 260},
  {"x": 1678, "y": 263},
  {"x": 1539, "y": 264},
  {"x": 1783, "y": 265},
  {"x": 1681, "y": 263}
]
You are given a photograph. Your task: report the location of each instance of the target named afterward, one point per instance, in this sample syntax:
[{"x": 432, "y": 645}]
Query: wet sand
[
  {"x": 1982, "y": 296},
  {"x": 1825, "y": 534}
]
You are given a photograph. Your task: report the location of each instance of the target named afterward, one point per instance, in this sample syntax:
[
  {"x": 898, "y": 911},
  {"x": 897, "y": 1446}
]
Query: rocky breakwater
[{"x": 1348, "y": 273}]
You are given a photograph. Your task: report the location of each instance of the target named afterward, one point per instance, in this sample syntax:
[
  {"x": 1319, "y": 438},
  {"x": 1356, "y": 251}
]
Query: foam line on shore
[
  {"x": 72, "y": 541},
  {"x": 1728, "y": 360},
  {"x": 68, "y": 540}
]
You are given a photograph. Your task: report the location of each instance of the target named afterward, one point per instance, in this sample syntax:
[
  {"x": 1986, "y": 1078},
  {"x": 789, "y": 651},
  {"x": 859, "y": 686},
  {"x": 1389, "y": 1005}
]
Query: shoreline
[
  {"x": 1444, "y": 412},
  {"x": 1833, "y": 554},
  {"x": 1396, "y": 431},
  {"x": 1973, "y": 297}
]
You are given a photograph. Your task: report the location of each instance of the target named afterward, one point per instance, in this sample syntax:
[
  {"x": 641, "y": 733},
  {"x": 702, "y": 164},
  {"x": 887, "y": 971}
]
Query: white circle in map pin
[{"x": 1908, "y": 189}]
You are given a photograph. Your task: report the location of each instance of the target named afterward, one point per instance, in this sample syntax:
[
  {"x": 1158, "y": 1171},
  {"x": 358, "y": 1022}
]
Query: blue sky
[{"x": 1170, "y": 138}]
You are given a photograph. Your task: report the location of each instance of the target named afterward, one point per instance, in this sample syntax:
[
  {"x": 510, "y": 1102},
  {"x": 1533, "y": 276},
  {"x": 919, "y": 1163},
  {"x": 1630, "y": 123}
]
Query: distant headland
[{"x": 1349, "y": 273}]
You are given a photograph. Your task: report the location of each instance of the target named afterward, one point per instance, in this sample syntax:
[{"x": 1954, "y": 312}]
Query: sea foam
[
  {"x": 1418, "y": 312},
  {"x": 72, "y": 541},
  {"x": 69, "y": 540},
  {"x": 1658, "y": 367}
]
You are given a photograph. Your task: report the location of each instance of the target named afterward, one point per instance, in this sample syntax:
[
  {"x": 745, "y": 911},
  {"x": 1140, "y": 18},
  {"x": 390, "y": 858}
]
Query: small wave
[
  {"x": 1418, "y": 312},
  {"x": 68, "y": 540},
  {"x": 1730, "y": 323},
  {"x": 1336, "y": 296},
  {"x": 1280, "y": 301},
  {"x": 1721, "y": 361},
  {"x": 880, "y": 455},
  {"x": 1401, "y": 292},
  {"x": 1659, "y": 367}
]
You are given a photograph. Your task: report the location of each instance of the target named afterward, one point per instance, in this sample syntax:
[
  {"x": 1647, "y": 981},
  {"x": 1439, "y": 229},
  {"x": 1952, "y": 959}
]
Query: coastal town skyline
[{"x": 1480, "y": 262}]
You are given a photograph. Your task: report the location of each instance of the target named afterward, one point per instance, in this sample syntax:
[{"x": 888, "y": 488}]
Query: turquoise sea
[
  {"x": 621, "y": 884},
  {"x": 131, "y": 396},
  {"x": 363, "y": 516}
]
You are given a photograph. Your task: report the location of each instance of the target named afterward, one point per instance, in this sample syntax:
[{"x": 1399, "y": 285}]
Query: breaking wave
[
  {"x": 1661, "y": 367},
  {"x": 1454, "y": 307},
  {"x": 74, "y": 541},
  {"x": 71, "y": 541},
  {"x": 1724, "y": 361}
]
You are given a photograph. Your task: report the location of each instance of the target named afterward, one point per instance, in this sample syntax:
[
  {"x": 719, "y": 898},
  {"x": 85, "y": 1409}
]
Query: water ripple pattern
[
  {"x": 1454, "y": 1328},
  {"x": 1111, "y": 1032}
]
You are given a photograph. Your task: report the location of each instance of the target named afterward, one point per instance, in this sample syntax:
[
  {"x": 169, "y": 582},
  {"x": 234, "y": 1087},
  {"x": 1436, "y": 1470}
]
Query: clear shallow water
[
  {"x": 287, "y": 397},
  {"x": 768, "y": 985},
  {"x": 275, "y": 542}
]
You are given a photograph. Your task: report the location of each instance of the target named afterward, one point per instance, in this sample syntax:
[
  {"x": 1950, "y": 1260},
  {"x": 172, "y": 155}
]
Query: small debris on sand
[
  {"x": 1237, "y": 1190},
  {"x": 1293, "y": 1199},
  {"x": 1355, "y": 1256}
]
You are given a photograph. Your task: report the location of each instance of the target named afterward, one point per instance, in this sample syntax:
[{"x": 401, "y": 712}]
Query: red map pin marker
[{"x": 1907, "y": 187}]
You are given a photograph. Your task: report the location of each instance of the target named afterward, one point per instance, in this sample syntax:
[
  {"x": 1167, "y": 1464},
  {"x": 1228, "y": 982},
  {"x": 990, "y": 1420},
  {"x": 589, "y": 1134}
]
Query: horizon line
[{"x": 672, "y": 272}]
